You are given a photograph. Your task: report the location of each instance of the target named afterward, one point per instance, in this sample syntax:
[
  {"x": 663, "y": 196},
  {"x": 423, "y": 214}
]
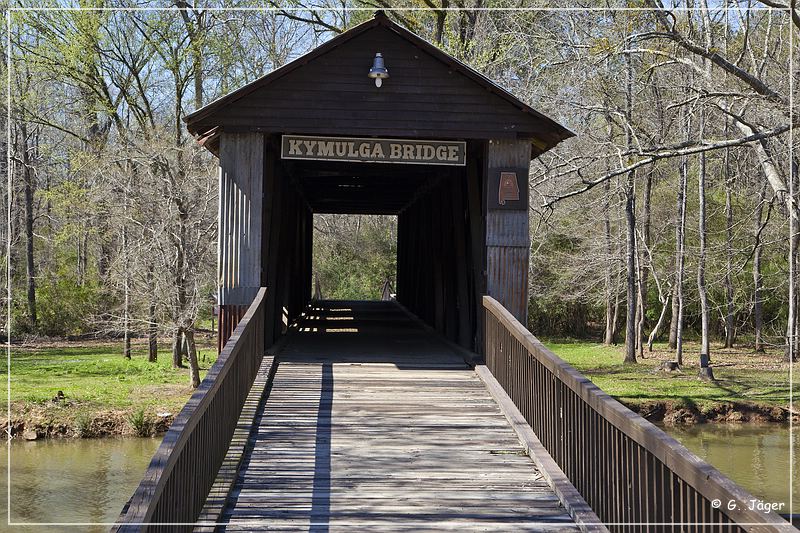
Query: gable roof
[{"x": 255, "y": 106}]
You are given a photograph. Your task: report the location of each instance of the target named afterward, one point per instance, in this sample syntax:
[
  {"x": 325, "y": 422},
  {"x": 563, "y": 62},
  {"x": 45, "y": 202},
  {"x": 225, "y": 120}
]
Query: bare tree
[
  {"x": 680, "y": 252},
  {"x": 630, "y": 219}
]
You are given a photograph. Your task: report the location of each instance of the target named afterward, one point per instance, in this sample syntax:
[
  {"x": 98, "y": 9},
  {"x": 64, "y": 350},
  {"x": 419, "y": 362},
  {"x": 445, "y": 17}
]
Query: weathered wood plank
[
  {"x": 226, "y": 477},
  {"x": 185, "y": 466},
  {"x": 413, "y": 442},
  {"x": 241, "y": 191},
  {"x": 507, "y": 233},
  {"x": 686, "y": 484}
]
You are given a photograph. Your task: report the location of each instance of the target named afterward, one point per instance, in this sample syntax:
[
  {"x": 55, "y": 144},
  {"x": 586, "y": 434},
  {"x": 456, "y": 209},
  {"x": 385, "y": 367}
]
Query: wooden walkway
[{"x": 374, "y": 424}]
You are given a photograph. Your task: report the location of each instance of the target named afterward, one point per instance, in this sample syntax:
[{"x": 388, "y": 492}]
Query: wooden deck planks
[{"x": 384, "y": 429}]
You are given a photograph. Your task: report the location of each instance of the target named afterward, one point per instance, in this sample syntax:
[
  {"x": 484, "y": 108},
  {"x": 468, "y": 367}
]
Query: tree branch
[
  {"x": 653, "y": 156},
  {"x": 672, "y": 33}
]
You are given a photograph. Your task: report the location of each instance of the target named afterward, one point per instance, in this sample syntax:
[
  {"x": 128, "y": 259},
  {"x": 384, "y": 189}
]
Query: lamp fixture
[{"x": 378, "y": 72}]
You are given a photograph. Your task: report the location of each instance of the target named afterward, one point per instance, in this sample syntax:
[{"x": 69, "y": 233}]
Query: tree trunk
[
  {"x": 152, "y": 334},
  {"x": 701, "y": 260},
  {"x": 705, "y": 348},
  {"x": 608, "y": 339},
  {"x": 642, "y": 267},
  {"x": 794, "y": 240},
  {"x": 152, "y": 325},
  {"x": 177, "y": 340},
  {"x": 630, "y": 219},
  {"x": 730, "y": 312},
  {"x": 639, "y": 305},
  {"x": 680, "y": 243},
  {"x": 615, "y": 322},
  {"x": 83, "y": 257},
  {"x": 126, "y": 350},
  {"x": 152, "y": 330},
  {"x": 758, "y": 306},
  {"x": 27, "y": 174},
  {"x": 194, "y": 369},
  {"x": 654, "y": 334},
  {"x": 673, "y": 319},
  {"x": 194, "y": 30}
]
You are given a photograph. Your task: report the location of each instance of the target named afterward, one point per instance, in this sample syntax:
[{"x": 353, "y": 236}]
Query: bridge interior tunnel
[{"x": 440, "y": 234}]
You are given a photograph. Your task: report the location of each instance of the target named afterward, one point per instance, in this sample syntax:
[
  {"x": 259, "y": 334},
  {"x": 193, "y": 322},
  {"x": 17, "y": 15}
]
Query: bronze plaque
[
  {"x": 368, "y": 150},
  {"x": 508, "y": 188}
]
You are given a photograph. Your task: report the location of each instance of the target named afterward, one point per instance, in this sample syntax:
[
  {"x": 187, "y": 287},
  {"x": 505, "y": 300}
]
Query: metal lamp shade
[{"x": 378, "y": 71}]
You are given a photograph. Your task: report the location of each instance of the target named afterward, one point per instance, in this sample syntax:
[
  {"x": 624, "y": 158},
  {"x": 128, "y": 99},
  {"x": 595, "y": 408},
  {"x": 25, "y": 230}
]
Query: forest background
[{"x": 671, "y": 215}]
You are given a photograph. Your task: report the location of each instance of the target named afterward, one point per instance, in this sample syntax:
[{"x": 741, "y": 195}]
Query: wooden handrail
[
  {"x": 652, "y": 478},
  {"x": 182, "y": 471}
]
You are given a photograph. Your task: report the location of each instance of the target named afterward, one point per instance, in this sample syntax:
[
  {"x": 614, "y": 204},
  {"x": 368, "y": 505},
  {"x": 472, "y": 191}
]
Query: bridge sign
[{"x": 368, "y": 150}]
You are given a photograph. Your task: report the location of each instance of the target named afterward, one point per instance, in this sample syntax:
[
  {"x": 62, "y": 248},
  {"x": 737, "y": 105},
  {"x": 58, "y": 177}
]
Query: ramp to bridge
[{"x": 375, "y": 424}]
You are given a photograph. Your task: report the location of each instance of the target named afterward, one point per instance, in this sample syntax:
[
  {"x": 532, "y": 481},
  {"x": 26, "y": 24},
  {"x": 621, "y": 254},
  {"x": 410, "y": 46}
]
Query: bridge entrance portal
[{"x": 435, "y": 143}]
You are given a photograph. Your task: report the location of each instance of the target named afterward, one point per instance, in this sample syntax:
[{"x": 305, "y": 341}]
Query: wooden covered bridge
[{"x": 438, "y": 411}]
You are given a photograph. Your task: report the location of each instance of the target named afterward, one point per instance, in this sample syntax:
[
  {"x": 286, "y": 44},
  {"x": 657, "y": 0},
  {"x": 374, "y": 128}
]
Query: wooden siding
[
  {"x": 507, "y": 234},
  {"x": 439, "y": 257},
  {"x": 424, "y": 97},
  {"x": 286, "y": 252},
  {"x": 241, "y": 176}
]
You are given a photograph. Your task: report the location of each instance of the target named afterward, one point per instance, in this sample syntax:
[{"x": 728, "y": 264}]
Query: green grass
[
  {"x": 742, "y": 376},
  {"x": 96, "y": 376}
]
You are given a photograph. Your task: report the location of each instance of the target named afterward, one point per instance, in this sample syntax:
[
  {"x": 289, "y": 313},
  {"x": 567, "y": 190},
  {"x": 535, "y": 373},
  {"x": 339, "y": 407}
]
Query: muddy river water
[{"x": 89, "y": 480}]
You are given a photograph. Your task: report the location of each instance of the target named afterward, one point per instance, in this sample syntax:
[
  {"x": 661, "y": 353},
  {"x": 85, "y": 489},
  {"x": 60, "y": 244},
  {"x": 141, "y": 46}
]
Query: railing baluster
[
  {"x": 184, "y": 467},
  {"x": 628, "y": 470}
]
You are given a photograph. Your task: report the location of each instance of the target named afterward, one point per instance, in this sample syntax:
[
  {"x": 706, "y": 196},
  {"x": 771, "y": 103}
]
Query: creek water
[
  {"x": 89, "y": 480},
  {"x": 754, "y": 456},
  {"x": 72, "y": 480}
]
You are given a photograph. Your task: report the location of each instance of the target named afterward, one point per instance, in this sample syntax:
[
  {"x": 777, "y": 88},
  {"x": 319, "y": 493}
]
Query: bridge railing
[
  {"x": 633, "y": 475},
  {"x": 183, "y": 469}
]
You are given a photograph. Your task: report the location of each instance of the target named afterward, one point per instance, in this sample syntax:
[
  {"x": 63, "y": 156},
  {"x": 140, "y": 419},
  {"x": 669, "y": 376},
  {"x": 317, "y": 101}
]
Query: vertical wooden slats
[
  {"x": 507, "y": 233},
  {"x": 185, "y": 465},
  {"x": 633, "y": 475},
  {"x": 241, "y": 192},
  {"x": 439, "y": 269}
]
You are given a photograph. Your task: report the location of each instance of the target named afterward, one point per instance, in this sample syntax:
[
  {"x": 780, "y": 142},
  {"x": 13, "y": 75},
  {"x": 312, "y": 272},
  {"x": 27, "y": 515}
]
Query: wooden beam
[
  {"x": 271, "y": 257},
  {"x": 475, "y": 208},
  {"x": 507, "y": 228},
  {"x": 463, "y": 302}
]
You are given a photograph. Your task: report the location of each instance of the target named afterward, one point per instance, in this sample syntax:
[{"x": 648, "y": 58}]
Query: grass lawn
[
  {"x": 94, "y": 378},
  {"x": 742, "y": 375}
]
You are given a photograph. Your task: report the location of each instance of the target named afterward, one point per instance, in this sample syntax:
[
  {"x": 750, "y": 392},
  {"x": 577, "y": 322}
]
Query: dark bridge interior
[
  {"x": 440, "y": 256},
  {"x": 362, "y": 188}
]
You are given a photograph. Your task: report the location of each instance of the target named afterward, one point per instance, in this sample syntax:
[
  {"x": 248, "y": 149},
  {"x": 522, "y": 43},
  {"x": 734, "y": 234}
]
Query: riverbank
[
  {"x": 105, "y": 395},
  {"x": 749, "y": 386},
  {"x": 65, "y": 389}
]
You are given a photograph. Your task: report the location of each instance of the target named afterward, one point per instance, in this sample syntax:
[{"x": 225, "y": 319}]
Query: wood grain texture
[
  {"x": 507, "y": 233},
  {"x": 241, "y": 193},
  {"x": 375, "y": 424},
  {"x": 573, "y": 501},
  {"x": 634, "y": 476},
  {"x": 327, "y": 91},
  {"x": 228, "y": 471},
  {"x": 185, "y": 465}
]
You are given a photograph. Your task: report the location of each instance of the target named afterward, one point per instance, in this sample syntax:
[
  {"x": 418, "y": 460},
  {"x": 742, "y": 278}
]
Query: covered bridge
[
  {"x": 437, "y": 144},
  {"x": 377, "y": 416}
]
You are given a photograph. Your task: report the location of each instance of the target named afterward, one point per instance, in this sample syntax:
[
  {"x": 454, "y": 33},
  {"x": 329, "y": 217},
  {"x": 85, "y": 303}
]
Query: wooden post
[
  {"x": 507, "y": 237},
  {"x": 477, "y": 229},
  {"x": 461, "y": 261},
  {"x": 272, "y": 254},
  {"x": 308, "y": 260},
  {"x": 241, "y": 179}
]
